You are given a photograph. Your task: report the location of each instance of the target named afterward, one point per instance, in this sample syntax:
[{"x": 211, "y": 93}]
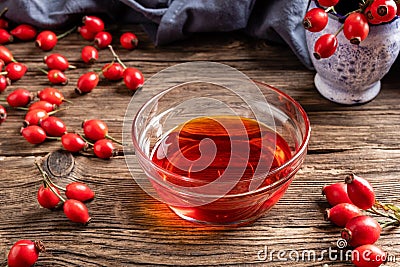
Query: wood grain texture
[{"x": 129, "y": 228}]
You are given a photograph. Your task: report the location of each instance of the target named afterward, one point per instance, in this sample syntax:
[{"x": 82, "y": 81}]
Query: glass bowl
[{"x": 257, "y": 166}]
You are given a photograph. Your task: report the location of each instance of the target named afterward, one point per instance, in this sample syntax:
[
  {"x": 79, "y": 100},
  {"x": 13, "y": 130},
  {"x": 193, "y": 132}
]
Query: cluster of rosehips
[
  {"x": 355, "y": 26},
  {"x": 349, "y": 200}
]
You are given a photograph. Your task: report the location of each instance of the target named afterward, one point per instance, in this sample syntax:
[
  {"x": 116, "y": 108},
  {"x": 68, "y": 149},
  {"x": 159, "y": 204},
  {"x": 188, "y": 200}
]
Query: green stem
[
  {"x": 68, "y": 101},
  {"x": 373, "y": 210},
  {"x": 66, "y": 33},
  {"x": 391, "y": 223},
  {"x": 116, "y": 56},
  {"x": 113, "y": 139},
  {"x": 86, "y": 140},
  {"x": 339, "y": 30},
  {"x": 57, "y": 110},
  {"x": 43, "y": 70}
]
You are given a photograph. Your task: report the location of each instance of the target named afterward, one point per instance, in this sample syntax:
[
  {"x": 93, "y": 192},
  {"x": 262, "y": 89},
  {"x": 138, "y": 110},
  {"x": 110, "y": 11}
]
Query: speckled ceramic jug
[{"x": 352, "y": 75}]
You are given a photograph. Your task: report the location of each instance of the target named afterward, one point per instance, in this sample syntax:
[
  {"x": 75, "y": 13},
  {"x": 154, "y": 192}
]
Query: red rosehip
[
  {"x": 86, "y": 34},
  {"x": 6, "y": 55},
  {"x": 3, "y": 114},
  {"x": 325, "y": 46},
  {"x": 93, "y": 24},
  {"x": 315, "y": 20},
  {"x": 356, "y": 28},
  {"x": 95, "y": 129},
  {"x": 89, "y": 54},
  {"x": 361, "y": 230},
  {"x": 104, "y": 149},
  {"x": 24, "y": 253},
  {"x": 79, "y": 191},
  {"x": 342, "y": 213},
  {"x": 46, "y": 198},
  {"x": 73, "y": 142},
  {"x": 48, "y": 107},
  {"x": 5, "y": 37},
  {"x": 57, "y": 77},
  {"x": 4, "y": 82},
  {"x": 328, "y": 3},
  {"x": 53, "y": 126},
  {"x": 3, "y": 23},
  {"x": 368, "y": 256},
  {"x": 113, "y": 71},
  {"x": 336, "y": 193},
  {"x": 46, "y": 40},
  {"x": 360, "y": 192},
  {"x": 383, "y": 10},
  {"x": 370, "y": 17},
  {"x": 34, "y": 134},
  {"x": 133, "y": 78},
  {"x": 24, "y": 32},
  {"x": 87, "y": 82},
  {"x": 56, "y": 61},
  {"x": 76, "y": 211},
  {"x": 15, "y": 70},
  {"x": 129, "y": 40},
  {"x": 102, "y": 39},
  {"x": 35, "y": 116},
  {"x": 19, "y": 98},
  {"x": 51, "y": 95}
]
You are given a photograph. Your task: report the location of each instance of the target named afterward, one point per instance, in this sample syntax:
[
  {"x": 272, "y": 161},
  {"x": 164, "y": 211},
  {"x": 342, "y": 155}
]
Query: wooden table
[{"x": 130, "y": 228}]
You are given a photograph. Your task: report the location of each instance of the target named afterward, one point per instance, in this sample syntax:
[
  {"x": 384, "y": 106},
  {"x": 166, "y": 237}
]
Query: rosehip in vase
[
  {"x": 360, "y": 191},
  {"x": 19, "y": 98},
  {"x": 87, "y": 82},
  {"x": 315, "y": 20},
  {"x": 342, "y": 213},
  {"x": 325, "y": 46},
  {"x": 383, "y": 10},
  {"x": 361, "y": 230},
  {"x": 34, "y": 134},
  {"x": 24, "y": 32},
  {"x": 89, "y": 54},
  {"x": 24, "y": 253},
  {"x": 129, "y": 40},
  {"x": 356, "y": 28},
  {"x": 73, "y": 142}
]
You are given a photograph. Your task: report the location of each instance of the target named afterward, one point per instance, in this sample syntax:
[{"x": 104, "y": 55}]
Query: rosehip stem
[
  {"x": 86, "y": 140},
  {"x": 66, "y": 33},
  {"x": 47, "y": 180},
  {"x": 116, "y": 56},
  {"x": 373, "y": 210},
  {"x": 3, "y": 12},
  {"x": 57, "y": 110},
  {"x": 43, "y": 70},
  {"x": 113, "y": 139},
  {"x": 339, "y": 30}
]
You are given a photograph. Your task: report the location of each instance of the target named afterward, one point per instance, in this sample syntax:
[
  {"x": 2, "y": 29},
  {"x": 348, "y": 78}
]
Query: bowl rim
[{"x": 302, "y": 149}]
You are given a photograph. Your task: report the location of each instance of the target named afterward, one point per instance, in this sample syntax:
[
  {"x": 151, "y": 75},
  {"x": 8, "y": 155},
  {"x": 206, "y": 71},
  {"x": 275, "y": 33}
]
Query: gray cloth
[{"x": 169, "y": 20}]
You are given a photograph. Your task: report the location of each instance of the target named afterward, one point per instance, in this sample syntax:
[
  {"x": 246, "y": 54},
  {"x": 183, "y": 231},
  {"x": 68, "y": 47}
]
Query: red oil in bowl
[{"x": 201, "y": 150}]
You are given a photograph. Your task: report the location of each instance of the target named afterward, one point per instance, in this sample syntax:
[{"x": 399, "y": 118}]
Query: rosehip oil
[{"x": 232, "y": 138}]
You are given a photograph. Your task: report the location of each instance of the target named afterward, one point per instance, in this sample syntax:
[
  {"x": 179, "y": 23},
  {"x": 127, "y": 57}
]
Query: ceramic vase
[{"x": 352, "y": 75}]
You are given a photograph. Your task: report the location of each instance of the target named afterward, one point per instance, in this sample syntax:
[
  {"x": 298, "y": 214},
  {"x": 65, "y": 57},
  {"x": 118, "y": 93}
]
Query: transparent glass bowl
[{"x": 190, "y": 198}]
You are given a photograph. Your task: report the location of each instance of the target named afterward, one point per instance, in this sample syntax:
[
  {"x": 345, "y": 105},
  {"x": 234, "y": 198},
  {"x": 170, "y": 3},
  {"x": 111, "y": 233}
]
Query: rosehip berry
[
  {"x": 6, "y": 55},
  {"x": 342, "y": 213},
  {"x": 102, "y": 39},
  {"x": 34, "y": 134},
  {"x": 53, "y": 126},
  {"x": 3, "y": 24},
  {"x": 361, "y": 230},
  {"x": 336, "y": 193},
  {"x": 104, "y": 149},
  {"x": 371, "y": 19},
  {"x": 2, "y": 64},
  {"x": 89, "y": 54},
  {"x": 46, "y": 198},
  {"x": 86, "y": 34},
  {"x": 46, "y": 40},
  {"x": 34, "y": 117},
  {"x": 383, "y": 10},
  {"x": 129, "y": 40},
  {"x": 51, "y": 95},
  {"x": 4, "y": 82},
  {"x": 328, "y": 3},
  {"x": 57, "y": 77},
  {"x": 76, "y": 211},
  {"x": 57, "y": 62},
  {"x": 48, "y": 107},
  {"x": 133, "y": 78},
  {"x": 356, "y": 28},
  {"x": 368, "y": 256},
  {"x": 95, "y": 129},
  {"x": 24, "y": 253},
  {"x": 24, "y": 32},
  {"x": 87, "y": 82},
  {"x": 113, "y": 71},
  {"x": 79, "y": 191},
  {"x": 19, "y": 98},
  {"x": 73, "y": 142},
  {"x": 325, "y": 46},
  {"x": 3, "y": 114},
  {"x": 315, "y": 20},
  {"x": 93, "y": 24},
  {"x": 5, "y": 37},
  {"x": 360, "y": 192},
  {"x": 15, "y": 70}
]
